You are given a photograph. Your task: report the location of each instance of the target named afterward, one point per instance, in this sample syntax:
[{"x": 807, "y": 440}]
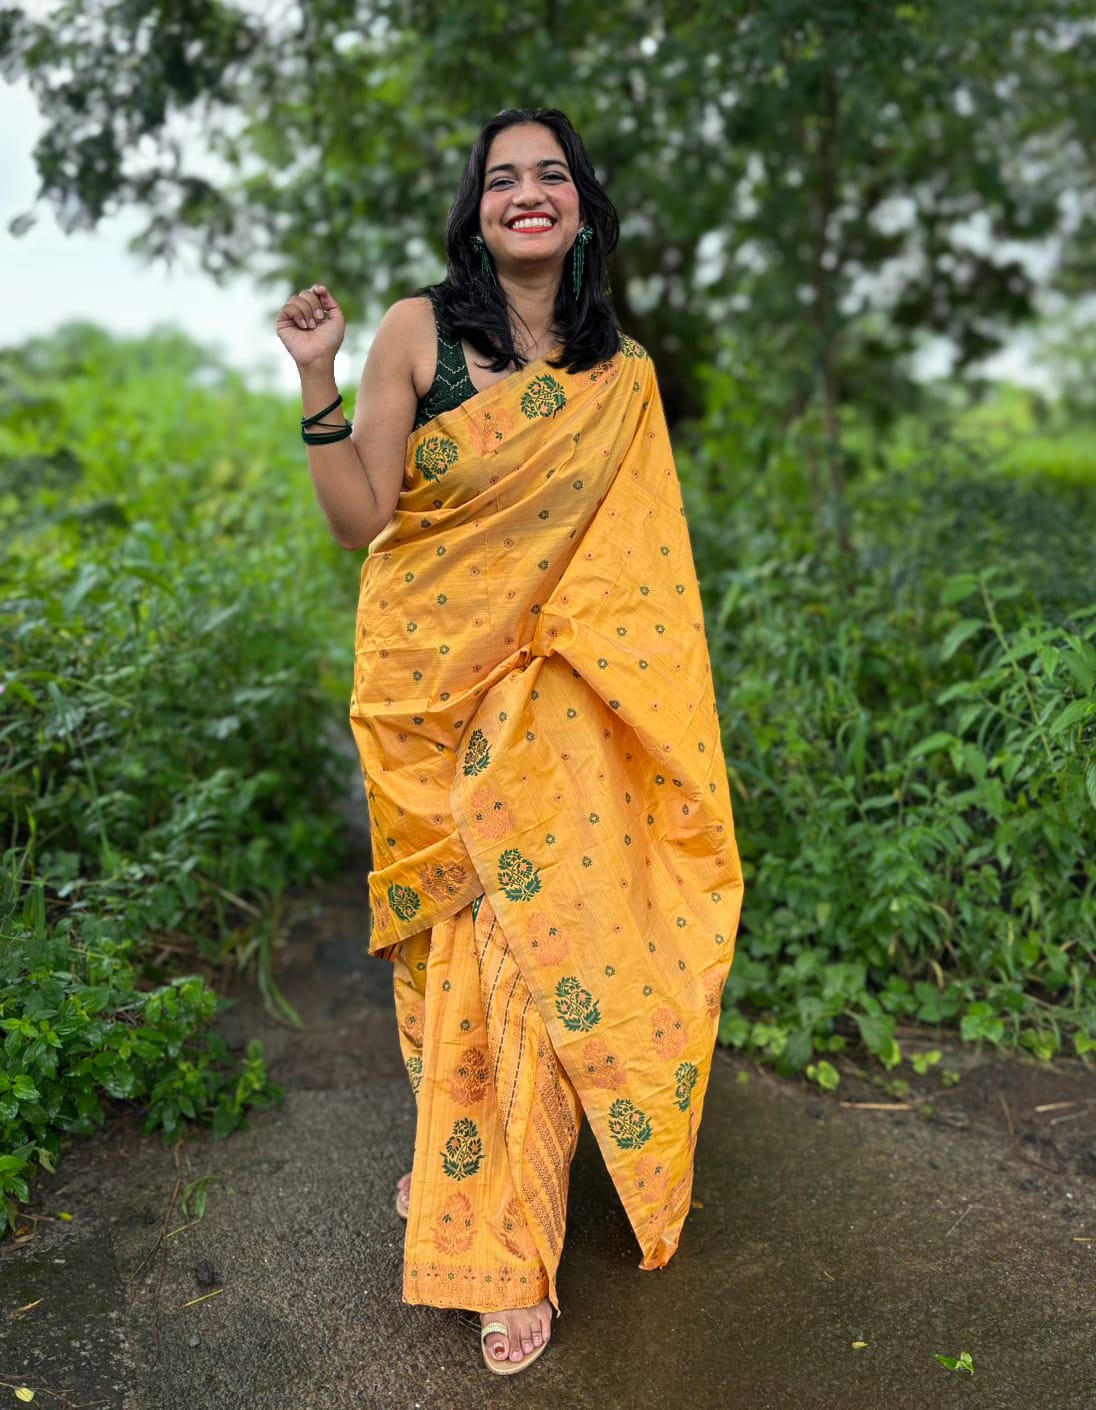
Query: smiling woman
[{"x": 556, "y": 881}]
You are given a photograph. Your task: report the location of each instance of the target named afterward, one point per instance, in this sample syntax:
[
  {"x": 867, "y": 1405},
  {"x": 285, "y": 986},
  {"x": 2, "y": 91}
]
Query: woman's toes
[{"x": 529, "y": 1330}]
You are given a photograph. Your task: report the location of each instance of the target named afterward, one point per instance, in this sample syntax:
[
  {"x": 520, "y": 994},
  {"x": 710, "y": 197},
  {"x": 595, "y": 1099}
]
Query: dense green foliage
[
  {"x": 173, "y": 628},
  {"x": 912, "y": 732},
  {"x": 834, "y": 178},
  {"x": 911, "y": 726}
]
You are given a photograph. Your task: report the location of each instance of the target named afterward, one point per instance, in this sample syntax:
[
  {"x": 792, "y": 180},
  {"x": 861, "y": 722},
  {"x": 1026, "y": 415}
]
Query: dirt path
[{"x": 817, "y": 1227}]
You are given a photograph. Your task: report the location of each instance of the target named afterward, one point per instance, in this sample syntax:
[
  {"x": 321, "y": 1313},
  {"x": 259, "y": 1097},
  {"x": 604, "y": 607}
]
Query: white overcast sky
[{"x": 50, "y": 278}]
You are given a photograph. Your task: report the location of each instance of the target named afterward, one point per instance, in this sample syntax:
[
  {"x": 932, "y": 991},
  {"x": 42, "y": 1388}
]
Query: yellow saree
[{"x": 556, "y": 875}]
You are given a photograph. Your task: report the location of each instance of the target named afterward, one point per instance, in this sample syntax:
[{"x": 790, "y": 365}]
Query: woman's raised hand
[{"x": 311, "y": 326}]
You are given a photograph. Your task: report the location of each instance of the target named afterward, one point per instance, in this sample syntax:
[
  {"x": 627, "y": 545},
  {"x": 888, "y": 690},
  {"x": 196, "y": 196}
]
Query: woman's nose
[{"x": 528, "y": 192}]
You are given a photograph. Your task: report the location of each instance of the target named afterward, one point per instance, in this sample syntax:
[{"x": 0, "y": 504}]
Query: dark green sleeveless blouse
[{"x": 451, "y": 385}]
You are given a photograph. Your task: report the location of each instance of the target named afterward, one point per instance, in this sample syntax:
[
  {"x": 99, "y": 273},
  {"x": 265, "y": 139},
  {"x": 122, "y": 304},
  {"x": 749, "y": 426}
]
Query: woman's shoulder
[
  {"x": 407, "y": 331},
  {"x": 414, "y": 314},
  {"x": 405, "y": 344}
]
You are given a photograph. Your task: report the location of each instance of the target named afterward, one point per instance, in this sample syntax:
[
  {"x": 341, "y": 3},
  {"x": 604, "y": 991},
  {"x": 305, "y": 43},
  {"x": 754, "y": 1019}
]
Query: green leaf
[
  {"x": 734, "y": 1030},
  {"x": 963, "y": 1362},
  {"x": 1081, "y": 664},
  {"x": 940, "y": 739},
  {"x": 1073, "y": 714},
  {"x": 825, "y": 1074},
  {"x": 981, "y": 1022},
  {"x": 958, "y": 588},
  {"x": 797, "y": 1051},
  {"x": 877, "y": 1032},
  {"x": 962, "y": 632}
]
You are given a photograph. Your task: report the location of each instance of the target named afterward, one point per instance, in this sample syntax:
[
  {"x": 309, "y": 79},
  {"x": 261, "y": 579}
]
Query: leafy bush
[
  {"x": 912, "y": 735},
  {"x": 169, "y": 602},
  {"x": 78, "y": 1028}
]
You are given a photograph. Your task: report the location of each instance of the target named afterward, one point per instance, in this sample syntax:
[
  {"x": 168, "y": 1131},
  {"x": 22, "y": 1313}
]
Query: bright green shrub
[
  {"x": 912, "y": 735},
  {"x": 175, "y": 633}
]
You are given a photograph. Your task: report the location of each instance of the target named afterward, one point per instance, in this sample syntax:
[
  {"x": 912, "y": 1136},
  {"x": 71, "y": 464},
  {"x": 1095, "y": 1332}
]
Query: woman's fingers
[
  {"x": 307, "y": 308},
  {"x": 311, "y": 325}
]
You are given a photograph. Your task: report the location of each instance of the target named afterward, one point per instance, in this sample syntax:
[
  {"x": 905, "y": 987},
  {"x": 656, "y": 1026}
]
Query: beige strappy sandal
[{"x": 507, "y": 1367}]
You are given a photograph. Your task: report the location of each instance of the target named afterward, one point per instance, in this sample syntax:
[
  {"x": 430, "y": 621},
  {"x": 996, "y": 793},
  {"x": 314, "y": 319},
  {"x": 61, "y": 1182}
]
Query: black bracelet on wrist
[
  {"x": 307, "y": 421},
  {"x": 326, "y": 438}
]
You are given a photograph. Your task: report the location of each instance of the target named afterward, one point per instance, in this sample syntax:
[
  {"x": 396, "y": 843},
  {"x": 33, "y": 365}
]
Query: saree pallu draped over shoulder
[{"x": 534, "y": 709}]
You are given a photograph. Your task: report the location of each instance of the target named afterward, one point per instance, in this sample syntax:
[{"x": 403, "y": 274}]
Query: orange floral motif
[
  {"x": 515, "y": 1232},
  {"x": 441, "y": 882},
  {"x": 488, "y": 429},
  {"x": 668, "y": 1032},
  {"x": 605, "y": 372},
  {"x": 547, "y": 942},
  {"x": 455, "y": 1226},
  {"x": 491, "y": 815},
  {"x": 382, "y": 916},
  {"x": 471, "y": 1078},
  {"x": 713, "y": 990},
  {"x": 603, "y": 1068},
  {"x": 652, "y": 1177},
  {"x": 414, "y": 1018}
]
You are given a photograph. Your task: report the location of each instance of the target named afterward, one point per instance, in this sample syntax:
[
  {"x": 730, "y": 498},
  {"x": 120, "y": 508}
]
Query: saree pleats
[
  {"x": 497, "y": 1122},
  {"x": 534, "y": 709}
]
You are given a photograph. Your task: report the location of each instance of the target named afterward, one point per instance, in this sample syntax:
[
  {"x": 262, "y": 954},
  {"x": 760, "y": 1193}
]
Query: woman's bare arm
[{"x": 358, "y": 480}]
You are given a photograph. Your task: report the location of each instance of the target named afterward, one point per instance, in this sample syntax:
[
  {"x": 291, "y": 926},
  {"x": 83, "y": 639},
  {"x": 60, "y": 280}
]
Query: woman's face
[{"x": 529, "y": 210}]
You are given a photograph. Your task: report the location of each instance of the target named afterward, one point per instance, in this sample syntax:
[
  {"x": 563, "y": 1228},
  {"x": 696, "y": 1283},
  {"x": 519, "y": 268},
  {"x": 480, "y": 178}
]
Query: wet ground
[{"x": 832, "y": 1251}]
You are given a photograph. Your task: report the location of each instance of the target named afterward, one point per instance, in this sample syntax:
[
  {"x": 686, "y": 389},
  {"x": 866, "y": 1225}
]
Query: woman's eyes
[{"x": 553, "y": 177}]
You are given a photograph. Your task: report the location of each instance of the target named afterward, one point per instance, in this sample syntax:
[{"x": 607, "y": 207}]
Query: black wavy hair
[{"x": 470, "y": 305}]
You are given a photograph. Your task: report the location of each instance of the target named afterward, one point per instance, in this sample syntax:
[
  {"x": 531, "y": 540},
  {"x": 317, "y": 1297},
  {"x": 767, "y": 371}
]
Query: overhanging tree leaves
[{"x": 792, "y": 175}]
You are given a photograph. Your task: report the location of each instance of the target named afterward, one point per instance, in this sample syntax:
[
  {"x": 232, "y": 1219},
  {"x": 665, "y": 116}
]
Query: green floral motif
[
  {"x": 436, "y": 456},
  {"x": 463, "y": 1151},
  {"x": 630, "y": 348},
  {"x": 543, "y": 397},
  {"x": 404, "y": 900},
  {"x": 577, "y": 1008},
  {"x": 414, "y": 1071},
  {"x": 628, "y": 1126},
  {"x": 686, "y": 1079},
  {"x": 518, "y": 877},
  {"x": 478, "y": 754}
]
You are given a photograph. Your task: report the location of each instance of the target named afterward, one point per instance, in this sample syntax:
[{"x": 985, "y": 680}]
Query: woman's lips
[{"x": 540, "y": 224}]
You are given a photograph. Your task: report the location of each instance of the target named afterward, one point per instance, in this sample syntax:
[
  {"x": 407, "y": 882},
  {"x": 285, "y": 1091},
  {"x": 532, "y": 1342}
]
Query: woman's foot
[
  {"x": 403, "y": 1195},
  {"x": 528, "y": 1330}
]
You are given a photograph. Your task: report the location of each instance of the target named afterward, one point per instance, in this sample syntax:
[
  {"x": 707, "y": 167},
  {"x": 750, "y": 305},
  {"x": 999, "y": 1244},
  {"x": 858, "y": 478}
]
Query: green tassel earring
[
  {"x": 578, "y": 257},
  {"x": 485, "y": 259}
]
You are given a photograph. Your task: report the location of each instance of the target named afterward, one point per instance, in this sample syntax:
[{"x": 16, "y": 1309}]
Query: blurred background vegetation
[{"x": 898, "y": 569}]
